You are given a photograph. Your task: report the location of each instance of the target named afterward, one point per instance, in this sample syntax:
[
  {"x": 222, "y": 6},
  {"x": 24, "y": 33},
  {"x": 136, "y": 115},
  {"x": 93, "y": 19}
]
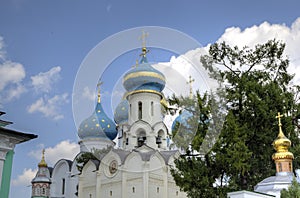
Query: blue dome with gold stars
[
  {"x": 144, "y": 78},
  {"x": 121, "y": 112},
  {"x": 183, "y": 119},
  {"x": 98, "y": 125}
]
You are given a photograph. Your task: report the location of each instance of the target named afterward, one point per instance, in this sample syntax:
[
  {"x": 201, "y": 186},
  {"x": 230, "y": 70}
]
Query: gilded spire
[
  {"x": 283, "y": 158},
  {"x": 191, "y": 86},
  {"x": 43, "y": 162},
  {"x": 99, "y": 95}
]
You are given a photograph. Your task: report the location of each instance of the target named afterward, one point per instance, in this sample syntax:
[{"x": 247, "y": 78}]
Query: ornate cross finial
[
  {"x": 143, "y": 39},
  {"x": 191, "y": 86},
  {"x": 279, "y": 119},
  {"x": 279, "y": 116},
  {"x": 43, "y": 162},
  {"x": 99, "y": 87}
]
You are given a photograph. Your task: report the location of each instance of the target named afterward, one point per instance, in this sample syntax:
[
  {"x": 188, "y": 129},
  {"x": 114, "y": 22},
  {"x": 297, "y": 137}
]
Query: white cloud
[
  {"x": 15, "y": 92},
  {"x": 264, "y": 32},
  {"x": 50, "y": 108},
  {"x": 88, "y": 94},
  {"x": 11, "y": 73},
  {"x": 63, "y": 150},
  {"x": 25, "y": 178},
  {"x": 44, "y": 80}
]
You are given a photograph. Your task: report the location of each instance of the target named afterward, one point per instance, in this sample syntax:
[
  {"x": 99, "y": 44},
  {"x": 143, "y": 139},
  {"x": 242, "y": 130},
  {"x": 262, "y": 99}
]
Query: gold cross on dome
[
  {"x": 279, "y": 119},
  {"x": 191, "y": 86},
  {"x": 143, "y": 38},
  {"x": 99, "y": 87}
]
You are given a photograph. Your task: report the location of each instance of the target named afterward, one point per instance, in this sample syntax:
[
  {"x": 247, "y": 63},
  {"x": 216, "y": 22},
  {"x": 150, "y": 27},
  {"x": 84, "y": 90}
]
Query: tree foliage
[
  {"x": 257, "y": 86},
  {"x": 292, "y": 192},
  {"x": 95, "y": 154}
]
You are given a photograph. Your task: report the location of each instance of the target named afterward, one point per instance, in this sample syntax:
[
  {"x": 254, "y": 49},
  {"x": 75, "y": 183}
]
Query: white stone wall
[
  {"x": 134, "y": 178},
  {"x": 151, "y": 107}
]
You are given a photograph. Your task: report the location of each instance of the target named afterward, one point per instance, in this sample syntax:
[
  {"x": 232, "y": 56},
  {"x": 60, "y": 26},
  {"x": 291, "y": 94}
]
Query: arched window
[
  {"x": 130, "y": 111},
  {"x": 63, "y": 186},
  {"x": 140, "y": 109},
  {"x": 141, "y": 138},
  {"x": 152, "y": 109},
  {"x": 133, "y": 190},
  {"x": 159, "y": 138},
  {"x": 279, "y": 167}
]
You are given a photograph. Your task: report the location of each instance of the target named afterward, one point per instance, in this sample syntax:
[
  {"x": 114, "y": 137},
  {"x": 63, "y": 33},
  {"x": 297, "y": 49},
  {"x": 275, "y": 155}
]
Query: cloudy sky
[{"x": 43, "y": 44}]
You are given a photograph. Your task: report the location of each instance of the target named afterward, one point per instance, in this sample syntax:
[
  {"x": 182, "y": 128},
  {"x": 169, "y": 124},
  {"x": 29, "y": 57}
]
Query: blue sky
[{"x": 43, "y": 43}]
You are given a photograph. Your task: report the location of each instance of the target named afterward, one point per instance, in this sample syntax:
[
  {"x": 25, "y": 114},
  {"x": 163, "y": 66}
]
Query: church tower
[
  {"x": 282, "y": 158},
  {"x": 284, "y": 169},
  {"x": 144, "y": 121},
  {"x": 41, "y": 182}
]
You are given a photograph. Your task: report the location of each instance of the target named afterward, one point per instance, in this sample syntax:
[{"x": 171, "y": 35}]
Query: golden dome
[
  {"x": 43, "y": 162},
  {"x": 281, "y": 144}
]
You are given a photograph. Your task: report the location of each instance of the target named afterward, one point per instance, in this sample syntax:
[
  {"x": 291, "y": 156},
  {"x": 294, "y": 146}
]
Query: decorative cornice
[{"x": 144, "y": 74}]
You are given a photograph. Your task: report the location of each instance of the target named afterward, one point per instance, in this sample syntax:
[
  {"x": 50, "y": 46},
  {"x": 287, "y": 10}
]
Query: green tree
[
  {"x": 257, "y": 86},
  {"x": 292, "y": 192},
  {"x": 95, "y": 154}
]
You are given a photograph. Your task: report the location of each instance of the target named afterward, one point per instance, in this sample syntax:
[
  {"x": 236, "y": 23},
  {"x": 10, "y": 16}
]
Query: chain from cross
[{"x": 136, "y": 64}]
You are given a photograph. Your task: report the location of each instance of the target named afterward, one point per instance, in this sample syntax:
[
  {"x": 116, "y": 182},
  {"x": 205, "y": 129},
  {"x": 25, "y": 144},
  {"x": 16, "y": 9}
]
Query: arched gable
[
  {"x": 60, "y": 177},
  {"x": 140, "y": 125},
  {"x": 157, "y": 162},
  {"x": 160, "y": 126},
  {"x": 61, "y": 167},
  {"x": 133, "y": 163}
]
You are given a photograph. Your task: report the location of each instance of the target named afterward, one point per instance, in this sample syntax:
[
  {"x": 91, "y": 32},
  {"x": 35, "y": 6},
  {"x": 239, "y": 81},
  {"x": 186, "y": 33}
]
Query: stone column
[
  {"x": 98, "y": 184},
  {"x": 146, "y": 180},
  {"x": 165, "y": 180},
  {"x": 2, "y": 160},
  {"x": 124, "y": 184},
  {"x": 80, "y": 186}
]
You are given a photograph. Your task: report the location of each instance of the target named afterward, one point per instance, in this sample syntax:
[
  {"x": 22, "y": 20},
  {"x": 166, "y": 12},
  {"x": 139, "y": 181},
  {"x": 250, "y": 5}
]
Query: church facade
[{"x": 139, "y": 167}]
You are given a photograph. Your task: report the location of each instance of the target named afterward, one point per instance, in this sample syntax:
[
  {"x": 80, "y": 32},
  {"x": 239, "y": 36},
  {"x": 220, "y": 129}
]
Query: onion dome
[
  {"x": 183, "y": 119},
  {"x": 281, "y": 144},
  {"x": 121, "y": 112},
  {"x": 144, "y": 77},
  {"x": 90, "y": 128},
  {"x": 43, "y": 162},
  {"x": 98, "y": 125},
  {"x": 43, "y": 174}
]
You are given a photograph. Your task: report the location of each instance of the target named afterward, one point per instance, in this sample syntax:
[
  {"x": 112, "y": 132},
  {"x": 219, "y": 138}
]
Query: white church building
[{"x": 140, "y": 167}]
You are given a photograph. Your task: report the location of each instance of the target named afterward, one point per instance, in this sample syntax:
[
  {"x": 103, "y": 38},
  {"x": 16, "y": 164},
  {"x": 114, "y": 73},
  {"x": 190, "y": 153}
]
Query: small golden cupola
[
  {"x": 43, "y": 162},
  {"x": 283, "y": 158}
]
